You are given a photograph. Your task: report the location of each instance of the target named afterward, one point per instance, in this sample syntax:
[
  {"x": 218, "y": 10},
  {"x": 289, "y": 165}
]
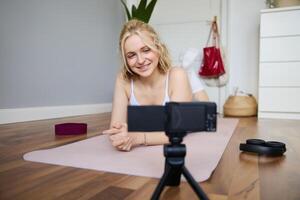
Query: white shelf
[{"x": 288, "y": 8}]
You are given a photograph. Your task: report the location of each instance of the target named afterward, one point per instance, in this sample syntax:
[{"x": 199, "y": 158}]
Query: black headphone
[{"x": 261, "y": 147}]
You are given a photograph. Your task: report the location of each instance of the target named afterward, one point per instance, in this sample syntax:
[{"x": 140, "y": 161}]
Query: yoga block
[{"x": 71, "y": 129}]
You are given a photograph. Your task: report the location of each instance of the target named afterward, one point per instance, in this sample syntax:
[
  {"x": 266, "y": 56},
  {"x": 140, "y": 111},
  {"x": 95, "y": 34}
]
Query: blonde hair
[{"x": 136, "y": 27}]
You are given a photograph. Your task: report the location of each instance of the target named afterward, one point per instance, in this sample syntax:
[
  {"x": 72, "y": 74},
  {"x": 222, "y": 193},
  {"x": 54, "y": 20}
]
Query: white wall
[
  {"x": 57, "y": 57},
  {"x": 243, "y": 43},
  {"x": 240, "y": 36},
  {"x": 58, "y": 52}
]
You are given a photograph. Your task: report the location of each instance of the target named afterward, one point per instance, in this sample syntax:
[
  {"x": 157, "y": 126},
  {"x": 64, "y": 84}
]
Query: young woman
[{"x": 147, "y": 78}]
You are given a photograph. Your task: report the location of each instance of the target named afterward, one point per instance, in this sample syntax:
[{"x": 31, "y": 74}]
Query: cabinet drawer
[
  {"x": 279, "y": 99},
  {"x": 280, "y": 23},
  {"x": 279, "y": 74},
  {"x": 280, "y": 49}
]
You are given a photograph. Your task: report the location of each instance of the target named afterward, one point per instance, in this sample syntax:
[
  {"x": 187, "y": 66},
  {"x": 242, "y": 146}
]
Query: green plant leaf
[
  {"x": 142, "y": 5},
  {"x": 127, "y": 11},
  {"x": 140, "y": 14},
  {"x": 136, "y": 14},
  {"x": 133, "y": 11},
  {"x": 149, "y": 10}
]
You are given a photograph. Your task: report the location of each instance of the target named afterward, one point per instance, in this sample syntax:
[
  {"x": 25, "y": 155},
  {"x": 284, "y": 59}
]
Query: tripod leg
[
  {"x": 196, "y": 187},
  {"x": 162, "y": 183}
]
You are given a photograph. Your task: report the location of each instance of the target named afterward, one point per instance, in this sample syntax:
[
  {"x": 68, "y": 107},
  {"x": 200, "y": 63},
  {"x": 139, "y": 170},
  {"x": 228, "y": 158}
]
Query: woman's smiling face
[{"x": 141, "y": 59}]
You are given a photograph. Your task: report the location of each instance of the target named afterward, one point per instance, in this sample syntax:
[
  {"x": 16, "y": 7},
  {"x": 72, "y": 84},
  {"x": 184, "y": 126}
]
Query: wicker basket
[{"x": 240, "y": 106}]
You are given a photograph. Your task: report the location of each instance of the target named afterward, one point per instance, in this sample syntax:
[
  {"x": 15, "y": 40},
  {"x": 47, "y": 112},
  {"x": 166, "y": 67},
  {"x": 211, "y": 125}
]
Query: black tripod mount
[{"x": 174, "y": 167}]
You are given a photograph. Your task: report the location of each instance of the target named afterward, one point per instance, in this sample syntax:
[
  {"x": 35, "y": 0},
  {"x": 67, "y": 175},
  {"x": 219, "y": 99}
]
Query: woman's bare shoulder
[
  {"x": 180, "y": 89},
  {"x": 120, "y": 79},
  {"x": 177, "y": 73},
  {"x": 123, "y": 83}
]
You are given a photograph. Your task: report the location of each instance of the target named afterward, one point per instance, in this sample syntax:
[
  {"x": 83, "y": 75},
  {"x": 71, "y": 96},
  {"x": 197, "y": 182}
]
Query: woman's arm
[
  {"x": 120, "y": 101},
  {"x": 118, "y": 132},
  {"x": 118, "y": 128}
]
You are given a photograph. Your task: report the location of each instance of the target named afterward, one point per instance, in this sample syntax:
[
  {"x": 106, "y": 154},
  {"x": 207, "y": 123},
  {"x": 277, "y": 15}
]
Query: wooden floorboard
[{"x": 237, "y": 176}]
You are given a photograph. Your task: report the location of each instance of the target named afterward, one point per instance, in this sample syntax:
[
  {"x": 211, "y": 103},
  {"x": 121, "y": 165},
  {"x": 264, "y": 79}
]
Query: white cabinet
[{"x": 279, "y": 63}]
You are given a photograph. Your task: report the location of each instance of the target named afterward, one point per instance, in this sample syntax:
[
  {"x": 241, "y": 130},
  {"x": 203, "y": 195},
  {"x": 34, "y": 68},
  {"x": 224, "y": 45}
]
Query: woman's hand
[{"x": 119, "y": 137}]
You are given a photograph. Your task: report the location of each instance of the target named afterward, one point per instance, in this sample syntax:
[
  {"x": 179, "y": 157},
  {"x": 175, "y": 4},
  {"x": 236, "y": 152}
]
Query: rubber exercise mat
[{"x": 204, "y": 150}]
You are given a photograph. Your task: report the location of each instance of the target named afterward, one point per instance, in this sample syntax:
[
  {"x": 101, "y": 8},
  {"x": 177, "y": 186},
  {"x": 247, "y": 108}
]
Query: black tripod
[{"x": 174, "y": 167}]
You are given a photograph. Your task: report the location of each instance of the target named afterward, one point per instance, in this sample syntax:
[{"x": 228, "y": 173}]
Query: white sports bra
[{"x": 134, "y": 102}]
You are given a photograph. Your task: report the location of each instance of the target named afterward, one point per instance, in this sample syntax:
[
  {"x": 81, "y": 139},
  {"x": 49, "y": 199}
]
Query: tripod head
[{"x": 175, "y": 138}]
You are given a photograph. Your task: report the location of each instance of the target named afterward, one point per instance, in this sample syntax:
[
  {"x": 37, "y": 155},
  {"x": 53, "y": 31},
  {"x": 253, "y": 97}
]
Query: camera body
[{"x": 174, "y": 117}]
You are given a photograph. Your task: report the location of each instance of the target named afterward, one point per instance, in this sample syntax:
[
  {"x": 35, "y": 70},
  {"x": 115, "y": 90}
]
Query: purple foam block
[{"x": 70, "y": 129}]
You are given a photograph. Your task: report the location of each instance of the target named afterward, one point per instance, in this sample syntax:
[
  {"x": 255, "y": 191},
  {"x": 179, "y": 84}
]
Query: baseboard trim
[{"x": 39, "y": 113}]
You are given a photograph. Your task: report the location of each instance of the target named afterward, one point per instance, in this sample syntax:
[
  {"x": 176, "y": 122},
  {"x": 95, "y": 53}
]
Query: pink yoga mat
[{"x": 204, "y": 150}]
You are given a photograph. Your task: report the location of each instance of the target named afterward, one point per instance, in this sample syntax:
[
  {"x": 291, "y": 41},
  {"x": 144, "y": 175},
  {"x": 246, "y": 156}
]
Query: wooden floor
[{"x": 237, "y": 176}]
